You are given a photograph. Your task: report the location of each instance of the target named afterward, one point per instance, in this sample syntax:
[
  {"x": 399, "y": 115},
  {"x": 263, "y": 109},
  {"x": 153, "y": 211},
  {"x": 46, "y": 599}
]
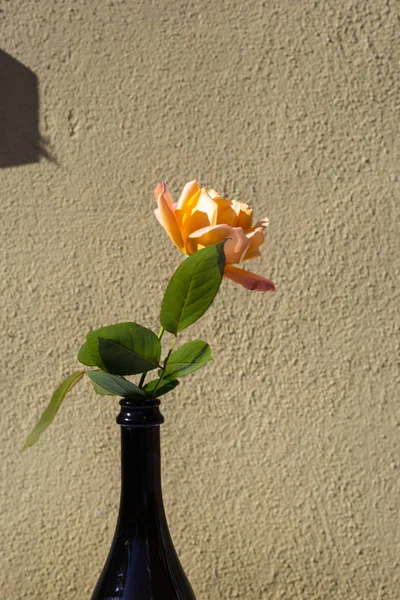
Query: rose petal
[
  {"x": 211, "y": 234},
  {"x": 255, "y": 235},
  {"x": 200, "y": 211},
  {"x": 161, "y": 188},
  {"x": 197, "y": 221},
  {"x": 250, "y": 281},
  {"x": 166, "y": 215},
  {"x": 226, "y": 213},
  {"x": 188, "y": 191},
  {"x": 212, "y": 193},
  {"x": 256, "y": 238},
  {"x": 263, "y": 223},
  {"x": 244, "y": 214},
  {"x": 207, "y": 205},
  {"x": 252, "y": 254},
  {"x": 235, "y": 247}
]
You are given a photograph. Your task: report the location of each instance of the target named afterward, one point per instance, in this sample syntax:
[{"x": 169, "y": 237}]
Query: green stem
[
  {"x": 165, "y": 363},
  {"x": 143, "y": 377}
]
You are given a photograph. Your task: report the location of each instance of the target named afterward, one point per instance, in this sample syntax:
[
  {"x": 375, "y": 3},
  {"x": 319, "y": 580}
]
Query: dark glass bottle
[{"x": 142, "y": 563}]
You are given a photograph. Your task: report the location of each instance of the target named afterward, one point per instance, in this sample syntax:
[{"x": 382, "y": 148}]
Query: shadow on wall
[{"x": 20, "y": 140}]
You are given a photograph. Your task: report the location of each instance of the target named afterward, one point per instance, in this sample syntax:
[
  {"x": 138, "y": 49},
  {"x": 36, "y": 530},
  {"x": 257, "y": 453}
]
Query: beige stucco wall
[{"x": 281, "y": 458}]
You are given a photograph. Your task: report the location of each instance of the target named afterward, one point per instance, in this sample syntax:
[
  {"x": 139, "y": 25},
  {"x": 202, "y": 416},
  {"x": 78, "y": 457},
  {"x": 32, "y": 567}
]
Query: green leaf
[
  {"x": 114, "y": 384},
  {"x": 124, "y": 349},
  {"x": 101, "y": 391},
  {"x": 192, "y": 288},
  {"x": 187, "y": 359},
  {"x": 52, "y": 409},
  {"x": 162, "y": 388},
  {"x": 84, "y": 356}
]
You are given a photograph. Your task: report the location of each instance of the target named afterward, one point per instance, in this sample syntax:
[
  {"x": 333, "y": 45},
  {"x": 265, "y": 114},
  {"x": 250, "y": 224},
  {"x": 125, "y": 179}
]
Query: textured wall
[{"x": 281, "y": 458}]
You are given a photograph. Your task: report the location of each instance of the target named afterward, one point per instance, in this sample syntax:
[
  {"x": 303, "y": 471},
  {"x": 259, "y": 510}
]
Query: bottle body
[{"x": 142, "y": 563}]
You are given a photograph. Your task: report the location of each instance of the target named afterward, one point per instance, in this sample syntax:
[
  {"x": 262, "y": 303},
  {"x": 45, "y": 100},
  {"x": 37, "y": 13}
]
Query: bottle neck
[{"x": 141, "y": 495}]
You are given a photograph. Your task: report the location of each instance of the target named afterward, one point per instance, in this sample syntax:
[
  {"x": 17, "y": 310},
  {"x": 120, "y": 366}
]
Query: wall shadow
[{"x": 20, "y": 139}]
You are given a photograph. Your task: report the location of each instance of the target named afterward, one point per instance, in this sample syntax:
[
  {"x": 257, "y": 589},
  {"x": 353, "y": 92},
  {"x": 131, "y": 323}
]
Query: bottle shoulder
[{"x": 143, "y": 567}]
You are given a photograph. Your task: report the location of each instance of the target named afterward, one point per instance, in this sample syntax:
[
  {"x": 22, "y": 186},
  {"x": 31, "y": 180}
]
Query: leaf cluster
[{"x": 124, "y": 349}]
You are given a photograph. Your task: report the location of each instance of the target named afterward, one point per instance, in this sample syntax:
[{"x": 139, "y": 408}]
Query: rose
[{"x": 201, "y": 218}]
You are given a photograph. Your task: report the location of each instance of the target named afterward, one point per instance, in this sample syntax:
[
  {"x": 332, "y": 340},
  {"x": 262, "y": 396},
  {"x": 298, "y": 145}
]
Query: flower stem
[
  {"x": 165, "y": 364},
  {"x": 143, "y": 377}
]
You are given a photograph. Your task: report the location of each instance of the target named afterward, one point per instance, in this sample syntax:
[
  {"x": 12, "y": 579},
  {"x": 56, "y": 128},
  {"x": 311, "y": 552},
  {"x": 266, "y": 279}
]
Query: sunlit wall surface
[{"x": 281, "y": 457}]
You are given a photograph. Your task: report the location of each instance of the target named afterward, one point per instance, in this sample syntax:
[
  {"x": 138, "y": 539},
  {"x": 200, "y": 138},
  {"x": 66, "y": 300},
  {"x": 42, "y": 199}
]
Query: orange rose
[{"x": 201, "y": 218}]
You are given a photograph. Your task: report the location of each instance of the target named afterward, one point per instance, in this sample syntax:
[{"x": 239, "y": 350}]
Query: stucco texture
[{"x": 281, "y": 457}]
